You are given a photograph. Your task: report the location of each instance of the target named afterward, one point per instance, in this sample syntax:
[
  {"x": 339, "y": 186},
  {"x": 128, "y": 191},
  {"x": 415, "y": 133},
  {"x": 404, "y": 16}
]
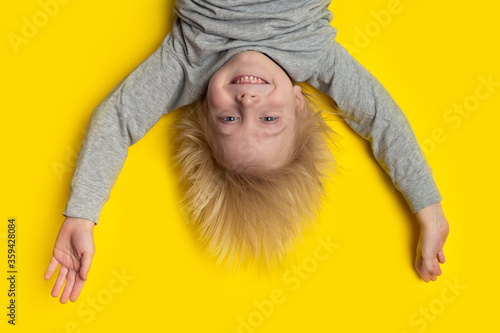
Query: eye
[
  {"x": 229, "y": 119},
  {"x": 268, "y": 119}
]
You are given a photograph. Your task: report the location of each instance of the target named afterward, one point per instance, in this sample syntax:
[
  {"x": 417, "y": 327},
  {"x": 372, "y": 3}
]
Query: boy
[{"x": 244, "y": 55}]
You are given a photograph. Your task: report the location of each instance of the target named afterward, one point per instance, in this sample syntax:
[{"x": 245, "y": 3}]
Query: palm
[
  {"x": 69, "y": 253},
  {"x": 73, "y": 250}
]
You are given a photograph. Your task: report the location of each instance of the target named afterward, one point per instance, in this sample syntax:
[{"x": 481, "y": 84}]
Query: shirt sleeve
[
  {"x": 119, "y": 121},
  {"x": 369, "y": 109}
]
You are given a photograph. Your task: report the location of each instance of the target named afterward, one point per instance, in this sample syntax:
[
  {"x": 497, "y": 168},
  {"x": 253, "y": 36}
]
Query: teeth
[{"x": 249, "y": 79}]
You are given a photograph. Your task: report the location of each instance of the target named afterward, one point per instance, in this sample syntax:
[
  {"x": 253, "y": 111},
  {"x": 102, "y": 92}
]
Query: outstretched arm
[
  {"x": 154, "y": 88},
  {"x": 369, "y": 109}
]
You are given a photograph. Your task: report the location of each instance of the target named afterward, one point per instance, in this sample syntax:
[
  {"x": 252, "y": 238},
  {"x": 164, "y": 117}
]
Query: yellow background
[{"x": 429, "y": 55}]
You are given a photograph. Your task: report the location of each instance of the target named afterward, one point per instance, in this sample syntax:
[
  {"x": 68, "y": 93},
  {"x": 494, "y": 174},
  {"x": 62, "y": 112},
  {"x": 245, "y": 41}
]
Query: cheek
[
  {"x": 284, "y": 99},
  {"x": 216, "y": 99},
  {"x": 215, "y": 143},
  {"x": 211, "y": 95}
]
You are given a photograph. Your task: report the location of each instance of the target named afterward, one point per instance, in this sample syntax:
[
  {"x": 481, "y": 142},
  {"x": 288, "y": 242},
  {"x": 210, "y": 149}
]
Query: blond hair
[{"x": 242, "y": 216}]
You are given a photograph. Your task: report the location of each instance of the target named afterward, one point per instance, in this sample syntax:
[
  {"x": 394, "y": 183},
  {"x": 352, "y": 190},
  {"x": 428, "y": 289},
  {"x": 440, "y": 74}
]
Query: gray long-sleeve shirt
[{"x": 298, "y": 36}]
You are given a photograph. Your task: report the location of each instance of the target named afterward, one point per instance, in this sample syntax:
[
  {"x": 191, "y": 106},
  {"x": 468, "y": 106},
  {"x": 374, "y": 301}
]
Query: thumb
[{"x": 440, "y": 256}]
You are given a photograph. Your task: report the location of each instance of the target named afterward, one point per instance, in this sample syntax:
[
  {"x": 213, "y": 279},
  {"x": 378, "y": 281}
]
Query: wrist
[
  {"x": 79, "y": 222},
  {"x": 430, "y": 215}
]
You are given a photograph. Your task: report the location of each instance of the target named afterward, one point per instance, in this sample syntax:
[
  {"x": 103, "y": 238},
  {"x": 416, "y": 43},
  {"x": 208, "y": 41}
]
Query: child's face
[{"x": 253, "y": 112}]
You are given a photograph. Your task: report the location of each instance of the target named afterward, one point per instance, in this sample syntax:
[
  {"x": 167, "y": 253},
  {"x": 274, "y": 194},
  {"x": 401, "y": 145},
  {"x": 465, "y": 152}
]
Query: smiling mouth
[{"x": 248, "y": 79}]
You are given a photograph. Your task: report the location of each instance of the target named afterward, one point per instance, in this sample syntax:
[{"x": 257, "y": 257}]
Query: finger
[
  {"x": 85, "y": 267},
  {"x": 430, "y": 267},
  {"x": 68, "y": 287},
  {"x": 424, "y": 275},
  {"x": 63, "y": 271},
  {"x": 77, "y": 288},
  {"x": 51, "y": 268},
  {"x": 432, "y": 274},
  {"x": 441, "y": 257},
  {"x": 419, "y": 264},
  {"x": 437, "y": 268}
]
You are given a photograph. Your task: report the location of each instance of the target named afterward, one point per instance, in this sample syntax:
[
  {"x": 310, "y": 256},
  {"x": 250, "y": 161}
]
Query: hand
[
  {"x": 432, "y": 238},
  {"x": 74, "y": 250}
]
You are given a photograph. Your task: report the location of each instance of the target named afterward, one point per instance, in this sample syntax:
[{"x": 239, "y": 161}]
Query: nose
[{"x": 247, "y": 98}]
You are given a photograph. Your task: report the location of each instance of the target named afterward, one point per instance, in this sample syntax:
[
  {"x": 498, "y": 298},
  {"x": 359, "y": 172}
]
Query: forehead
[{"x": 244, "y": 156}]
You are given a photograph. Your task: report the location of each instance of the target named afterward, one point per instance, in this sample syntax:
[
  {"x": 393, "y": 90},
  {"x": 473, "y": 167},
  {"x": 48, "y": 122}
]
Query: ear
[{"x": 299, "y": 99}]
